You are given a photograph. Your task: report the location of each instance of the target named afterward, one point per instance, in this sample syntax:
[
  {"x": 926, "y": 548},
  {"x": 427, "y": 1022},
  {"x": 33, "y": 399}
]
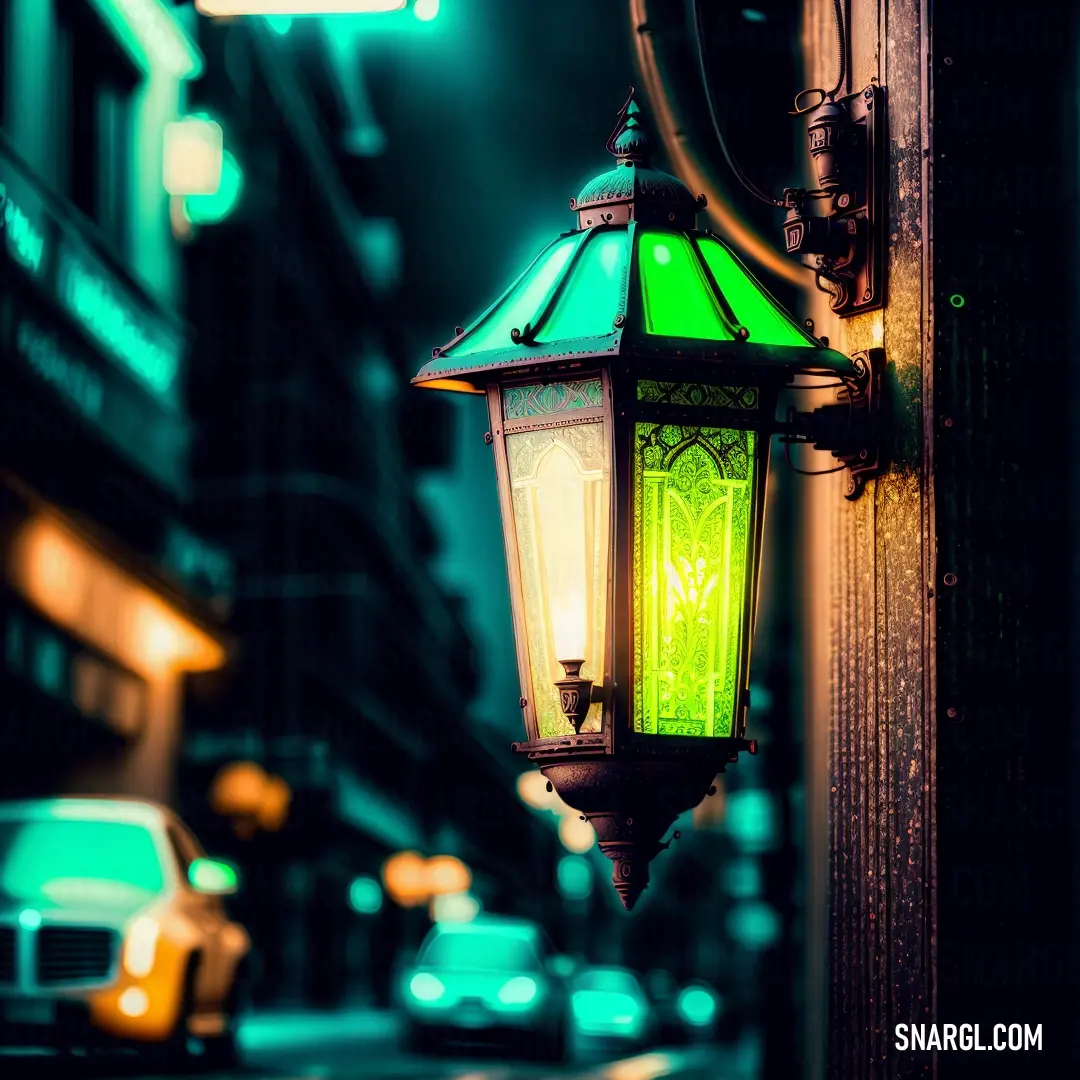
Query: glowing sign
[
  {"x": 123, "y": 331},
  {"x": 153, "y": 440},
  {"x": 149, "y": 32},
  {"x": 24, "y": 241},
  {"x": 77, "y": 382},
  {"x": 296, "y": 7}
]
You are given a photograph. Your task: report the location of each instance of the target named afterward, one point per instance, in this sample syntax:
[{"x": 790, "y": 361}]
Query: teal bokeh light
[
  {"x": 575, "y": 877},
  {"x": 211, "y": 209},
  {"x": 754, "y": 925},
  {"x": 698, "y": 1005},
  {"x": 365, "y": 896},
  {"x": 751, "y": 820}
]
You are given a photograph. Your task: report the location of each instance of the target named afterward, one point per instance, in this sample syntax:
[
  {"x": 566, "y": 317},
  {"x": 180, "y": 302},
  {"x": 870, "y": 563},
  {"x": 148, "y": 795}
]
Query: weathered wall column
[
  {"x": 869, "y": 604},
  {"x": 937, "y": 607}
]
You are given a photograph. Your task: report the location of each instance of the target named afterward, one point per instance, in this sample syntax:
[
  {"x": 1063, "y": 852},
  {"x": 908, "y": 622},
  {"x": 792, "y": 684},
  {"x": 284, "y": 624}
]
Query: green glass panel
[
  {"x": 767, "y": 322},
  {"x": 560, "y": 492},
  {"x": 693, "y": 550},
  {"x": 592, "y": 296},
  {"x": 544, "y": 399},
  {"x": 677, "y": 296},
  {"x": 521, "y": 304},
  {"x": 716, "y": 397}
]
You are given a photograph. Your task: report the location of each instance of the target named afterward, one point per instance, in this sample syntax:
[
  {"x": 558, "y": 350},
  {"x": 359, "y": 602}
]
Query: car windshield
[
  {"x": 72, "y": 861},
  {"x": 609, "y": 982},
  {"x": 488, "y": 951}
]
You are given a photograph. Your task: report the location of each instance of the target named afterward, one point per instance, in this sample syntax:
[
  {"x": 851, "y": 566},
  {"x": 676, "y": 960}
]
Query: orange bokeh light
[
  {"x": 87, "y": 594},
  {"x": 239, "y": 789},
  {"x": 405, "y": 878},
  {"x": 446, "y": 875}
]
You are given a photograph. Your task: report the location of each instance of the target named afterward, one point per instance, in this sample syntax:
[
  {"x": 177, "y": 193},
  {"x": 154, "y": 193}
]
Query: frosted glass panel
[
  {"x": 560, "y": 488},
  {"x": 693, "y": 550}
]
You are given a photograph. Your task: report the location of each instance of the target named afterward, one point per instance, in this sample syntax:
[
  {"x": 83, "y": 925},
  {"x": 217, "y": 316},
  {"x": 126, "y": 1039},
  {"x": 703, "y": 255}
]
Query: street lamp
[{"x": 635, "y": 374}]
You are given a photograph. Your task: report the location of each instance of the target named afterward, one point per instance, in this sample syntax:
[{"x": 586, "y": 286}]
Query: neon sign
[
  {"x": 74, "y": 380},
  {"x": 101, "y": 309},
  {"x": 25, "y": 243}
]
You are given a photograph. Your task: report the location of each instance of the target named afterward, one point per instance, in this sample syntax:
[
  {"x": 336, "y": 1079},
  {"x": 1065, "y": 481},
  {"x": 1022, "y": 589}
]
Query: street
[{"x": 366, "y": 1046}]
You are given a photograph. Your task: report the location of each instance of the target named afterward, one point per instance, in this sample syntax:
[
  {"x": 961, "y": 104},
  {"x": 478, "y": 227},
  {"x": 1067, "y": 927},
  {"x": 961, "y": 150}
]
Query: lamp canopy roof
[{"x": 634, "y": 279}]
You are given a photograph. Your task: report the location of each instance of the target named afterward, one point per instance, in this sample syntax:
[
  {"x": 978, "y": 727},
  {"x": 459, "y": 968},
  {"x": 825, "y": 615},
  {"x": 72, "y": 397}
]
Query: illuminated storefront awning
[{"x": 72, "y": 582}]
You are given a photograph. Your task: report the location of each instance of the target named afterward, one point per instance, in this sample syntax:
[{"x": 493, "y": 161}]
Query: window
[
  {"x": 67, "y": 860},
  {"x": 100, "y": 122},
  {"x": 483, "y": 951}
]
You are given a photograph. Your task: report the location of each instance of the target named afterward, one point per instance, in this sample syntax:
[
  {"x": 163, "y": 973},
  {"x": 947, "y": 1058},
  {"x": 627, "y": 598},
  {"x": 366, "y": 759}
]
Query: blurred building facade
[
  {"x": 203, "y": 427},
  {"x": 111, "y": 593}
]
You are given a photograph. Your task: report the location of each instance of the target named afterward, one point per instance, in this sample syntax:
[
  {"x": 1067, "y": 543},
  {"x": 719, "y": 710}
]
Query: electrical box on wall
[{"x": 845, "y": 245}]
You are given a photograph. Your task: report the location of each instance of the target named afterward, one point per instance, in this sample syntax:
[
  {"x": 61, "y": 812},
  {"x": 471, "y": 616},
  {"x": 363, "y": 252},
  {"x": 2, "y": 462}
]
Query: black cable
[
  {"x": 841, "y": 46},
  {"x": 699, "y": 36},
  {"x": 808, "y": 472}
]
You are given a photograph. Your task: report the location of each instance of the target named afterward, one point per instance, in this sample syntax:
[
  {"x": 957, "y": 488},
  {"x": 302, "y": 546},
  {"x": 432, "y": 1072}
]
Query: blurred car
[
  {"x": 113, "y": 932},
  {"x": 610, "y": 1005},
  {"x": 488, "y": 981}
]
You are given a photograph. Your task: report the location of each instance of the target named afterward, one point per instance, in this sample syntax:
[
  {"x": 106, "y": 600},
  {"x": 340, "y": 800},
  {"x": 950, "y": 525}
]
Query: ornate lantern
[{"x": 634, "y": 375}]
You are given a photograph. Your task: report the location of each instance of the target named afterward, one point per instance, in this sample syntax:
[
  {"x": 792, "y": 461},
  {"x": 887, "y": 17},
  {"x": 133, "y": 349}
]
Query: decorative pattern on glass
[
  {"x": 693, "y": 513},
  {"x": 520, "y": 402},
  {"x": 675, "y": 393},
  {"x": 560, "y": 483}
]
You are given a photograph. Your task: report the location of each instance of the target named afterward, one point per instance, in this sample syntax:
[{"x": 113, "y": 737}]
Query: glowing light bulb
[{"x": 561, "y": 494}]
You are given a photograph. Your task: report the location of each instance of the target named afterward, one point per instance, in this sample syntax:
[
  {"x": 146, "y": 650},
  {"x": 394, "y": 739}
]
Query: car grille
[
  {"x": 7, "y": 954},
  {"x": 74, "y": 954}
]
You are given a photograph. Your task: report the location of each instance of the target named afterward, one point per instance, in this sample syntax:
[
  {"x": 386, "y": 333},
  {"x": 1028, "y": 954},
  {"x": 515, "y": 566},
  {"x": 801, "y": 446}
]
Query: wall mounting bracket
[
  {"x": 856, "y": 429},
  {"x": 845, "y": 245}
]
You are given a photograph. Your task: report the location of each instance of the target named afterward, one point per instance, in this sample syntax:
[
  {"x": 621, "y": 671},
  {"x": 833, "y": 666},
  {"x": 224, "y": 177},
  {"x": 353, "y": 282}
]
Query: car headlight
[
  {"x": 140, "y": 948},
  {"x": 425, "y": 987},
  {"x": 519, "y": 991}
]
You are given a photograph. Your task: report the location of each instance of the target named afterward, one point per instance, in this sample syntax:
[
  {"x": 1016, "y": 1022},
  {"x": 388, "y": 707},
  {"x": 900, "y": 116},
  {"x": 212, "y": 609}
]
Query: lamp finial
[{"x": 629, "y": 142}]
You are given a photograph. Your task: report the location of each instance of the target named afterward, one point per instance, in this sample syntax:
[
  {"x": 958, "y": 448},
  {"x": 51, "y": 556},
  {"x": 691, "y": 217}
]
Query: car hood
[{"x": 98, "y": 903}]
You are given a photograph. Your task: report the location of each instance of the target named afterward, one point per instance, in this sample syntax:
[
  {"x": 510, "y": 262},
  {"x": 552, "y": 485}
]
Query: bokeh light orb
[
  {"x": 405, "y": 879},
  {"x": 238, "y": 789},
  {"x": 532, "y": 789},
  {"x": 577, "y": 836},
  {"x": 446, "y": 874},
  {"x": 698, "y": 1005},
  {"x": 365, "y": 896}
]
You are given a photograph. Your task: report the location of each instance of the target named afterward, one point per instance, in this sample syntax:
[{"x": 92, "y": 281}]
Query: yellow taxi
[{"x": 113, "y": 931}]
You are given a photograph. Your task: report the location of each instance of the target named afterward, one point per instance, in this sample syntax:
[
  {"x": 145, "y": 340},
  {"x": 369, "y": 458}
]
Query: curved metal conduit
[{"x": 690, "y": 170}]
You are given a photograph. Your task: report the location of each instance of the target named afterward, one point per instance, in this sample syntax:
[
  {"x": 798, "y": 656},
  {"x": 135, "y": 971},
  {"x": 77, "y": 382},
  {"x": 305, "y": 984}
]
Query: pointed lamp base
[{"x": 631, "y": 805}]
